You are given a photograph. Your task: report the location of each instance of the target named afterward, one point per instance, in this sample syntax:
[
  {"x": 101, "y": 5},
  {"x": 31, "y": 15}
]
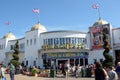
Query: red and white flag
[
  {"x": 7, "y": 22},
  {"x": 36, "y": 10},
  {"x": 95, "y": 6}
]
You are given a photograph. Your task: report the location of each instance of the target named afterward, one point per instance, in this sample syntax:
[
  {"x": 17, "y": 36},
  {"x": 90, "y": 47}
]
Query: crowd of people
[
  {"x": 78, "y": 71},
  {"x": 97, "y": 71},
  {"x": 107, "y": 73}
]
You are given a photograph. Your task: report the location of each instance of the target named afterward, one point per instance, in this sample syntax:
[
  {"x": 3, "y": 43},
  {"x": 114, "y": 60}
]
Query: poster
[{"x": 97, "y": 36}]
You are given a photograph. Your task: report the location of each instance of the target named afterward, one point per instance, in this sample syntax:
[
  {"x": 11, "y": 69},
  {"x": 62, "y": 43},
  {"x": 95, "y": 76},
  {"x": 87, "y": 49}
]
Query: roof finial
[
  {"x": 38, "y": 22},
  {"x": 99, "y": 18},
  {"x": 9, "y": 32}
]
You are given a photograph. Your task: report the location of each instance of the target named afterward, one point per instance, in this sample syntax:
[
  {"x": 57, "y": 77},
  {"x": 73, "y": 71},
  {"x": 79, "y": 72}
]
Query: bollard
[{"x": 66, "y": 74}]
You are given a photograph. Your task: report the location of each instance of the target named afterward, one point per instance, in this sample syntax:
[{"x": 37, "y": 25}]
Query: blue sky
[{"x": 75, "y": 15}]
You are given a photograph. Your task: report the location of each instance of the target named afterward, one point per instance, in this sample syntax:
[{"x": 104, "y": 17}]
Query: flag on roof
[
  {"x": 7, "y": 22},
  {"x": 95, "y": 6},
  {"x": 36, "y": 10}
]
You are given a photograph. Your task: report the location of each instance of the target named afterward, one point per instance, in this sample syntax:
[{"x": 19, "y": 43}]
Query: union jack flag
[
  {"x": 7, "y": 22},
  {"x": 36, "y": 10},
  {"x": 95, "y": 6}
]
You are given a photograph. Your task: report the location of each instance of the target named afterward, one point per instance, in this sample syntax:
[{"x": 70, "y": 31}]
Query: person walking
[
  {"x": 12, "y": 71},
  {"x": 118, "y": 70},
  {"x": 111, "y": 73},
  {"x": 2, "y": 72},
  {"x": 100, "y": 73}
]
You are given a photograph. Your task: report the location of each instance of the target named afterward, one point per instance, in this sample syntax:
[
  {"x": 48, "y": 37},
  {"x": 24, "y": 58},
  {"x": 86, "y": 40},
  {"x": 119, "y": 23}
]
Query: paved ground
[{"x": 24, "y": 77}]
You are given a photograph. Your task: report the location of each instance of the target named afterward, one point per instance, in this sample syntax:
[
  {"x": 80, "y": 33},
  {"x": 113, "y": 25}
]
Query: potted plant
[{"x": 35, "y": 71}]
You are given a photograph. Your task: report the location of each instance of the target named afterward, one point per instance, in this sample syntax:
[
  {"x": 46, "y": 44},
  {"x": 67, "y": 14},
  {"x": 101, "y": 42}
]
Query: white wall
[
  {"x": 2, "y": 50},
  {"x": 96, "y": 54},
  {"x": 31, "y": 51}
]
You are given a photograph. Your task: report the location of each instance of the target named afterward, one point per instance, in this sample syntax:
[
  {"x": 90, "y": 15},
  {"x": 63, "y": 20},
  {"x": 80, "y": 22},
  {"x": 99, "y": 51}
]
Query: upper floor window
[
  {"x": 45, "y": 41},
  {"x": 80, "y": 40},
  {"x": 34, "y": 40},
  {"x": 30, "y": 41},
  {"x": 62, "y": 40},
  {"x": 4, "y": 45},
  {"x": 56, "y": 41},
  {"x": 21, "y": 46},
  {"x": 73, "y": 40},
  {"x": 68, "y": 40},
  {"x": 11, "y": 47},
  {"x": 50, "y": 41},
  {"x": 27, "y": 42}
]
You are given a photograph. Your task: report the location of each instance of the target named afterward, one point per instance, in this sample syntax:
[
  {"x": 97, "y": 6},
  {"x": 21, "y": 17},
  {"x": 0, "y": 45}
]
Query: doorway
[
  {"x": 61, "y": 61},
  {"x": 117, "y": 56}
]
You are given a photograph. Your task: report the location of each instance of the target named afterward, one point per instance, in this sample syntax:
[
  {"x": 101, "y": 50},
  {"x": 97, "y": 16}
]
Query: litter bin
[{"x": 52, "y": 73}]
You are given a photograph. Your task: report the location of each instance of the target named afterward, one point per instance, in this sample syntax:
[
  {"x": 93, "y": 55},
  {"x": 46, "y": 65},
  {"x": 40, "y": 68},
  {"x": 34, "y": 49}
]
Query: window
[
  {"x": 4, "y": 45},
  {"x": 85, "y": 41},
  {"x": 34, "y": 62},
  {"x": 86, "y": 61},
  {"x": 56, "y": 41},
  {"x": 101, "y": 60},
  {"x": 95, "y": 60},
  {"x": 0, "y": 46},
  {"x": 67, "y": 40},
  {"x": 21, "y": 46},
  {"x": 27, "y": 42},
  {"x": 27, "y": 63},
  {"x": 11, "y": 47},
  {"x": 44, "y": 41},
  {"x": 49, "y": 42},
  {"x": 73, "y": 40},
  {"x": 61, "y": 40},
  {"x": 34, "y": 40},
  {"x": 30, "y": 41},
  {"x": 80, "y": 40},
  {"x": 64, "y": 40},
  {"x": 81, "y": 62}
]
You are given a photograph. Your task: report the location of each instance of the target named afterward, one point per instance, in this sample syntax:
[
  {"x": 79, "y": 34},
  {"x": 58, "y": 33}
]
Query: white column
[
  {"x": 84, "y": 61},
  {"x": 74, "y": 61},
  {"x": 56, "y": 62},
  {"x": 68, "y": 61}
]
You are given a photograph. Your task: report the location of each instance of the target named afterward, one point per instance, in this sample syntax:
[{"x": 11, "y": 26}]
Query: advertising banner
[{"x": 97, "y": 36}]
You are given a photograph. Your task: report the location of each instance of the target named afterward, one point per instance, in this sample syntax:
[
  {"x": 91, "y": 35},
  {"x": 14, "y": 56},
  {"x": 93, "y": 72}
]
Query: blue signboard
[{"x": 68, "y": 55}]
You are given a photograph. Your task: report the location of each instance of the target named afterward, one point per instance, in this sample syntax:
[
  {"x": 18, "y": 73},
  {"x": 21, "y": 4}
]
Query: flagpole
[
  {"x": 96, "y": 6},
  {"x": 38, "y": 17},
  {"x": 99, "y": 13},
  {"x": 38, "y": 14}
]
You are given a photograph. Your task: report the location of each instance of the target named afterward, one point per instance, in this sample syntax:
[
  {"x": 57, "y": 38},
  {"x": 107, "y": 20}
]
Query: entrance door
[
  {"x": 117, "y": 56},
  {"x": 62, "y": 61}
]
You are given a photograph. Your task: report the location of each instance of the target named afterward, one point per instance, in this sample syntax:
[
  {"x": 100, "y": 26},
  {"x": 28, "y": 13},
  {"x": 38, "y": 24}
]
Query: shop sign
[{"x": 65, "y": 55}]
